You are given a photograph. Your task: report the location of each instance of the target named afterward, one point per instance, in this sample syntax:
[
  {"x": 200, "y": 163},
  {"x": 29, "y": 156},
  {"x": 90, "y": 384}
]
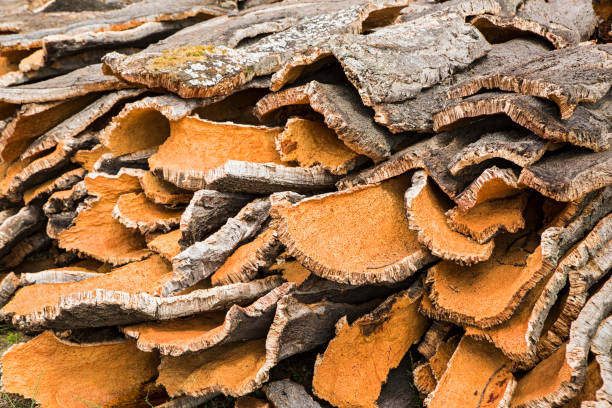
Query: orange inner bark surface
[
  {"x": 137, "y": 208},
  {"x": 140, "y": 129},
  {"x": 166, "y": 244}
]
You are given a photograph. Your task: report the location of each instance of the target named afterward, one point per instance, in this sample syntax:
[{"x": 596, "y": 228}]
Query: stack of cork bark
[{"x": 418, "y": 192}]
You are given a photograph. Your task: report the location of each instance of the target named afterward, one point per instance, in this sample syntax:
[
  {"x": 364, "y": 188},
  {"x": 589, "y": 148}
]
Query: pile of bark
[{"x": 193, "y": 191}]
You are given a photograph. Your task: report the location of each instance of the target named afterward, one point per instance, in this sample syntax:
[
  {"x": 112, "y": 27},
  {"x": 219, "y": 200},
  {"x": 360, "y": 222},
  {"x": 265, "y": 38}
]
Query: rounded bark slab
[
  {"x": 135, "y": 211},
  {"x": 425, "y": 212},
  {"x": 167, "y": 245},
  {"x": 355, "y": 236},
  {"x": 602, "y": 348},
  {"x": 492, "y": 184},
  {"x": 63, "y": 182},
  {"x": 112, "y": 242},
  {"x": 366, "y": 350},
  {"x": 162, "y": 192},
  {"x": 105, "y": 374}
]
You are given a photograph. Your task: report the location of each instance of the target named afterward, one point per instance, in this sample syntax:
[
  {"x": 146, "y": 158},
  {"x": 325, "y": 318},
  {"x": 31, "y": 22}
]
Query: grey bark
[
  {"x": 288, "y": 394},
  {"x": 110, "y": 164},
  {"x": 26, "y": 221}
]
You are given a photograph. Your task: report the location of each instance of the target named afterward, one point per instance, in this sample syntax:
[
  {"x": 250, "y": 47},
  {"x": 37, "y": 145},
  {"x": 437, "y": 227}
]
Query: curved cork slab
[
  {"x": 425, "y": 211},
  {"x": 18, "y": 225},
  {"x": 492, "y": 184},
  {"x": 208, "y": 330},
  {"x": 343, "y": 113},
  {"x": 366, "y": 350},
  {"x": 477, "y": 374},
  {"x": 227, "y": 156},
  {"x": 311, "y": 143},
  {"x": 162, "y": 192},
  {"x": 563, "y": 22},
  {"x": 34, "y": 243},
  {"x": 63, "y": 182},
  {"x": 560, "y": 75},
  {"x": 601, "y": 347},
  {"x": 167, "y": 245},
  {"x": 488, "y": 219},
  {"x": 515, "y": 261},
  {"x": 248, "y": 259},
  {"x": 102, "y": 373},
  {"x": 589, "y": 126},
  {"x": 112, "y": 242},
  {"x": 355, "y": 236},
  {"x": 135, "y": 211}
]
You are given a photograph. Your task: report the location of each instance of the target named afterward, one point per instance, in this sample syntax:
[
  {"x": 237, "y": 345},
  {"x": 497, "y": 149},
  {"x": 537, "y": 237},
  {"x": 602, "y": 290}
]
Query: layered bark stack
[{"x": 193, "y": 191}]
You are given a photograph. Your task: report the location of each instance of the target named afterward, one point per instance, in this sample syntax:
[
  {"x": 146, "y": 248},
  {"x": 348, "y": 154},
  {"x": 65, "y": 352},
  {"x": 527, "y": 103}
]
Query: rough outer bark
[
  {"x": 562, "y": 22},
  {"x": 77, "y": 123},
  {"x": 352, "y": 258},
  {"x": 296, "y": 328},
  {"x": 570, "y": 362},
  {"x": 493, "y": 183},
  {"x": 589, "y": 126},
  {"x": 26, "y": 221},
  {"x": 25, "y": 247},
  {"x": 162, "y": 192},
  {"x": 416, "y": 114},
  {"x": 109, "y": 373},
  {"x": 65, "y": 200},
  {"x": 110, "y": 164},
  {"x": 238, "y": 324},
  {"x": 342, "y": 111},
  {"x": 568, "y": 175},
  {"x": 567, "y": 77},
  {"x": 76, "y": 83},
  {"x": 377, "y": 342},
  {"x": 135, "y": 211},
  {"x": 601, "y": 347},
  {"x": 100, "y": 307},
  {"x": 425, "y": 212},
  {"x": 433, "y": 337},
  {"x": 207, "y": 211},
  {"x": 63, "y": 182},
  {"x": 399, "y": 391},
  {"x": 288, "y": 394}
]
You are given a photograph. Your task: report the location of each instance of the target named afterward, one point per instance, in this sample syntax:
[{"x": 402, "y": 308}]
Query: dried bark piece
[
  {"x": 167, "y": 245},
  {"x": 14, "y": 228},
  {"x": 229, "y": 157},
  {"x": 425, "y": 212},
  {"x": 215, "y": 69},
  {"x": 493, "y": 184},
  {"x": 63, "y": 182},
  {"x": 519, "y": 147},
  {"x": 477, "y": 375},
  {"x": 569, "y": 363},
  {"x": 601, "y": 347},
  {"x": 247, "y": 260},
  {"x": 589, "y": 126},
  {"x": 377, "y": 342},
  {"x": 78, "y": 122},
  {"x": 207, "y": 211},
  {"x": 568, "y": 175},
  {"x": 296, "y": 328},
  {"x": 423, "y": 378},
  {"x": 162, "y": 192},
  {"x": 65, "y": 200},
  {"x": 433, "y": 337},
  {"x": 311, "y": 143},
  {"x": 110, "y": 164},
  {"x": 101, "y": 307},
  {"x": 135, "y": 211},
  {"x": 103, "y": 373},
  {"x": 112, "y": 242},
  {"x": 291, "y": 271},
  {"x": 208, "y": 330},
  {"x": 343, "y": 112},
  {"x": 486, "y": 220},
  {"x": 592, "y": 383},
  {"x": 287, "y": 394},
  {"x": 357, "y": 236},
  {"x": 88, "y": 158},
  {"x": 27, "y": 246},
  {"x": 76, "y": 83},
  {"x": 567, "y": 77},
  {"x": 564, "y": 23},
  {"x": 516, "y": 263}
]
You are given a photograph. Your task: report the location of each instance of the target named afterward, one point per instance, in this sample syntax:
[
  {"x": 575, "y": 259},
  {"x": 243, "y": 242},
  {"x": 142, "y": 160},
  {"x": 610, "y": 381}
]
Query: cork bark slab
[
  {"x": 76, "y": 83},
  {"x": 29, "y": 245},
  {"x": 568, "y": 175},
  {"x": 343, "y": 112},
  {"x": 112, "y": 242},
  {"x": 564, "y": 23},
  {"x": 493, "y": 183},
  {"x": 416, "y": 114},
  {"x": 589, "y": 126},
  {"x": 425, "y": 212},
  {"x": 207, "y": 211},
  {"x": 239, "y": 369},
  {"x": 167, "y": 245},
  {"x": 101, "y": 307},
  {"x": 162, "y": 192},
  {"x": 19, "y": 225},
  {"x": 567, "y": 77},
  {"x": 366, "y": 350},
  {"x": 135, "y": 211},
  {"x": 104, "y": 373},
  {"x": 601, "y": 347},
  {"x": 88, "y": 157},
  {"x": 63, "y": 182},
  {"x": 486, "y": 220},
  {"x": 248, "y": 259},
  {"x": 111, "y": 164},
  {"x": 477, "y": 375},
  {"x": 287, "y": 394},
  {"x": 357, "y": 236},
  {"x": 229, "y": 157},
  {"x": 208, "y": 330}
]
